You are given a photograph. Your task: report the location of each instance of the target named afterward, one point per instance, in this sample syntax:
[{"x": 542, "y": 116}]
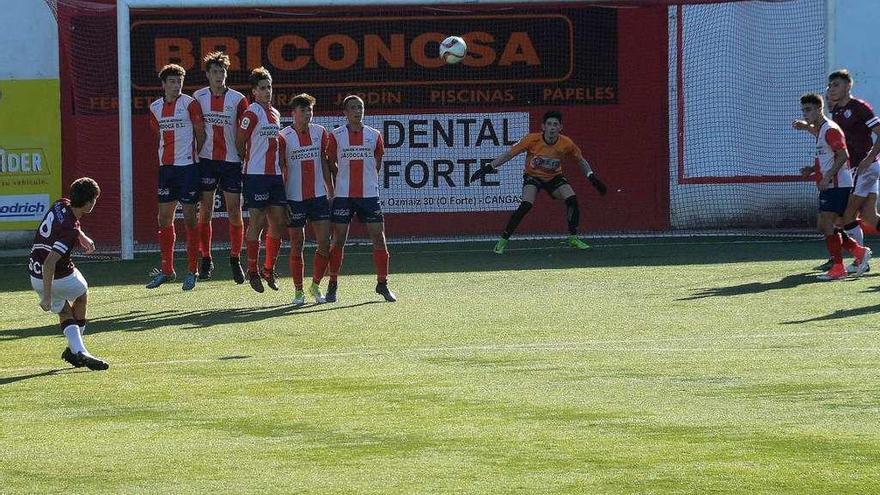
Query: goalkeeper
[{"x": 545, "y": 152}]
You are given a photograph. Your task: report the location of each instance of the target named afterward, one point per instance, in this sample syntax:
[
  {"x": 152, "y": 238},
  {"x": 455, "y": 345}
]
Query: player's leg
[
  {"x": 276, "y": 217},
  {"x": 167, "y": 237},
  {"x": 529, "y": 192},
  {"x": 209, "y": 173},
  {"x": 256, "y": 222},
  {"x": 852, "y": 236},
  {"x": 572, "y": 213},
  {"x": 236, "y": 233},
  {"x": 833, "y": 241},
  {"x": 191, "y": 220},
  {"x": 370, "y": 213},
  {"x": 321, "y": 229},
  {"x": 73, "y": 319},
  {"x": 297, "y": 238},
  {"x": 340, "y": 219}
]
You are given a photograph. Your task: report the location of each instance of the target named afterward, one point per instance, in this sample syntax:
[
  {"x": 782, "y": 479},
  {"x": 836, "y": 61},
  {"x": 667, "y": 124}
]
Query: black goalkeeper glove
[
  {"x": 484, "y": 169},
  {"x": 597, "y": 184}
]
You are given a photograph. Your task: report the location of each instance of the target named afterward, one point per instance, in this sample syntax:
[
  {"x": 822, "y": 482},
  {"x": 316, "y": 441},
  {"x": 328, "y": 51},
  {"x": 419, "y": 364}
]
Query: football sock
[
  {"x": 82, "y": 326},
  {"x": 834, "y": 244},
  {"x": 253, "y": 254},
  {"x": 380, "y": 259},
  {"x": 192, "y": 249},
  {"x": 854, "y": 230},
  {"x": 319, "y": 267},
  {"x": 166, "y": 247},
  {"x": 236, "y": 238},
  {"x": 273, "y": 245},
  {"x": 335, "y": 262},
  {"x": 205, "y": 232},
  {"x": 296, "y": 268},
  {"x": 516, "y": 218},
  {"x": 74, "y": 339},
  {"x": 572, "y": 214}
]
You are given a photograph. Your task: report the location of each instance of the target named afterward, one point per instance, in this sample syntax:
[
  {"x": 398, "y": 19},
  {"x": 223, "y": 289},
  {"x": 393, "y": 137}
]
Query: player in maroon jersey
[
  {"x": 859, "y": 125},
  {"x": 61, "y": 287},
  {"x": 219, "y": 162}
]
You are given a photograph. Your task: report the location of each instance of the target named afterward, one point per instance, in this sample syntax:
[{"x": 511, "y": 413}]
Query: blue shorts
[
  {"x": 313, "y": 210},
  {"x": 219, "y": 174},
  {"x": 834, "y": 199},
  {"x": 261, "y": 191},
  {"x": 366, "y": 209},
  {"x": 179, "y": 183}
]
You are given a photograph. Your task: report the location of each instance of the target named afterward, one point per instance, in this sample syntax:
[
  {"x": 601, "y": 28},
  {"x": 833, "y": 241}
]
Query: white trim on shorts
[
  {"x": 866, "y": 182},
  {"x": 64, "y": 289}
]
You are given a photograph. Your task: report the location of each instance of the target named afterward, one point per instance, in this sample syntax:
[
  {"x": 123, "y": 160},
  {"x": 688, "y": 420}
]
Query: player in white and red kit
[
  {"x": 264, "y": 195},
  {"x": 219, "y": 162},
  {"x": 834, "y": 182},
  {"x": 356, "y": 150},
  {"x": 61, "y": 287},
  {"x": 177, "y": 120},
  {"x": 309, "y": 184}
]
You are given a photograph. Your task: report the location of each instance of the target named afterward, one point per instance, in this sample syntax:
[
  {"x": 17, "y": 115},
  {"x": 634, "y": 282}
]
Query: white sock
[
  {"x": 82, "y": 330},
  {"x": 856, "y": 234},
  {"x": 74, "y": 339}
]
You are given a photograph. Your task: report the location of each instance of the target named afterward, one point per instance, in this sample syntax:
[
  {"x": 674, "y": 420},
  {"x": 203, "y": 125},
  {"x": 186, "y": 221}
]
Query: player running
[
  {"x": 219, "y": 162},
  {"x": 61, "y": 287},
  {"x": 257, "y": 142},
  {"x": 177, "y": 120},
  {"x": 308, "y": 185},
  {"x": 356, "y": 151},
  {"x": 834, "y": 182},
  {"x": 545, "y": 152}
]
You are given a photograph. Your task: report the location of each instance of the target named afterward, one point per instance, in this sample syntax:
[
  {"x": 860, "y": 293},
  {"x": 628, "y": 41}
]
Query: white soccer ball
[{"x": 453, "y": 49}]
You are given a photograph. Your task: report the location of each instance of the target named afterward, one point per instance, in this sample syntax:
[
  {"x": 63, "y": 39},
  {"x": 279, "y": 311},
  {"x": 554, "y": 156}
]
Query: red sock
[
  {"x": 192, "y": 249},
  {"x": 236, "y": 237},
  {"x": 296, "y": 269},
  {"x": 319, "y": 267},
  {"x": 253, "y": 254},
  {"x": 166, "y": 247},
  {"x": 335, "y": 262},
  {"x": 273, "y": 245},
  {"x": 835, "y": 245},
  {"x": 851, "y": 246},
  {"x": 205, "y": 232},
  {"x": 380, "y": 259}
]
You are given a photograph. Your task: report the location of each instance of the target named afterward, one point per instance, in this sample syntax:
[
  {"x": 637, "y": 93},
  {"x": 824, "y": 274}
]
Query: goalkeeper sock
[
  {"x": 572, "y": 214},
  {"x": 516, "y": 218}
]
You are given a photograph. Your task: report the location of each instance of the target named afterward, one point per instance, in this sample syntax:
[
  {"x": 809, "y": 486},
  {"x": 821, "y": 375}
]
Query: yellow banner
[{"x": 30, "y": 151}]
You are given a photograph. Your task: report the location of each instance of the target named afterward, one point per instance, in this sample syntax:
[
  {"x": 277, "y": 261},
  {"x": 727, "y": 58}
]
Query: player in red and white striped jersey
[
  {"x": 356, "y": 151},
  {"x": 60, "y": 285},
  {"x": 177, "y": 120},
  {"x": 219, "y": 162},
  {"x": 264, "y": 195},
  {"x": 309, "y": 184},
  {"x": 834, "y": 181}
]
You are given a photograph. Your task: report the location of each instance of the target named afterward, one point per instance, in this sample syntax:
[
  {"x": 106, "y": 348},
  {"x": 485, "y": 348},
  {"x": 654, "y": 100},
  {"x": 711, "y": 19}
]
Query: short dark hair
[
  {"x": 303, "y": 100},
  {"x": 552, "y": 114},
  {"x": 216, "y": 58},
  {"x": 349, "y": 98},
  {"x": 83, "y": 191},
  {"x": 257, "y": 75},
  {"x": 813, "y": 99},
  {"x": 842, "y": 74},
  {"x": 171, "y": 70}
]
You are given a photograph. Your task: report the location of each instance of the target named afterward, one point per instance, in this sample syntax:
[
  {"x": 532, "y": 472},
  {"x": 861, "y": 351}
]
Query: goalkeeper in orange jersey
[{"x": 545, "y": 152}]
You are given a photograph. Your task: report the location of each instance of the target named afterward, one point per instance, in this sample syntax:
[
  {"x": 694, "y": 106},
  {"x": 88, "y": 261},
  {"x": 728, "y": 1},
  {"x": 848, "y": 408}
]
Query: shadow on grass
[
  {"x": 139, "y": 320},
  {"x": 12, "y": 379},
  {"x": 839, "y": 315},
  {"x": 787, "y": 282}
]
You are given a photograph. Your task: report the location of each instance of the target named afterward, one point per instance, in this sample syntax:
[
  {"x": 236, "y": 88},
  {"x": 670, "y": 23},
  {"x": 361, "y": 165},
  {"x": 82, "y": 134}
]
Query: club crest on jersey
[
  {"x": 245, "y": 122},
  {"x": 847, "y": 113}
]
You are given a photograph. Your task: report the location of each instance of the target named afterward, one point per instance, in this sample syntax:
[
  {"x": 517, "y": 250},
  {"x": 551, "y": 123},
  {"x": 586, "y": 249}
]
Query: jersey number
[{"x": 46, "y": 226}]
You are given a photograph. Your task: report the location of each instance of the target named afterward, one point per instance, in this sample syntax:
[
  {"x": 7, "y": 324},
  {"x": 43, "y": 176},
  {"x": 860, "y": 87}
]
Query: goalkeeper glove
[
  {"x": 484, "y": 169},
  {"x": 597, "y": 183}
]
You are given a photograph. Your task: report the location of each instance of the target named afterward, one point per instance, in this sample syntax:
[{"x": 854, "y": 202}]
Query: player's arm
[
  {"x": 331, "y": 155},
  {"x": 873, "y": 152},
  {"x": 245, "y": 129},
  {"x": 841, "y": 156},
  {"x": 494, "y": 164},
  {"x": 803, "y": 125},
  {"x": 379, "y": 152},
  {"x": 86, "y": 242},
  {"x": 48, "y": 278},
  {"x": 325, "y": 166},
  {"x": 198, "y": 122},
  {"x": 591, "y": 176}
]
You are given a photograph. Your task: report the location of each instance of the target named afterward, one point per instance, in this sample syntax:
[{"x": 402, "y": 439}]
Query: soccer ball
[{"x": 453, "y": 49}]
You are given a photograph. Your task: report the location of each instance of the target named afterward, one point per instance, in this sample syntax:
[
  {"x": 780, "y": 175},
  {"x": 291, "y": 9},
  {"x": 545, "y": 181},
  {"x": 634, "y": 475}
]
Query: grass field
[{"x": 714, "y": 365}]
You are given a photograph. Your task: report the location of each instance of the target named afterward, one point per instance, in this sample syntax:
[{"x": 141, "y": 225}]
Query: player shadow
[
  {"x": 839, "y": 315},
  {"x": 786, "y": 282},
  {"x": 140, "y": 320},
  {"x": 12, "y": 379}
]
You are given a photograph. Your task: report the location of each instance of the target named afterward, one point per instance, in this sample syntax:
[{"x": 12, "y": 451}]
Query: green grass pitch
[{"x": 716, "y": 365}]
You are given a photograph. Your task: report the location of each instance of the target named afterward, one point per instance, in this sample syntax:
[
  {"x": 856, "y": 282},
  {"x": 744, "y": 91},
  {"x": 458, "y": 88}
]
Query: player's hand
[
  {"x": 806, "y": 172},
  {"x": 800, "y": 125},
  {"x": 824, "y": 184},
  {"x": 484, "y": 169},
  {"x": 46, "y": 303},
  {"x": 87, "y": 244},
  {"x": 597, "y": 184},
  {"x": 863, "y": 166}
]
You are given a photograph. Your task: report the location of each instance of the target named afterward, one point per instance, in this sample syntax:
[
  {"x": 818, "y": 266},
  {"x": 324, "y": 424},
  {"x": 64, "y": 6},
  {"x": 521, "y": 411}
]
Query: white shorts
[
  {"x": 64, "y": 289},
  {"x": 866, "y": 182}
]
